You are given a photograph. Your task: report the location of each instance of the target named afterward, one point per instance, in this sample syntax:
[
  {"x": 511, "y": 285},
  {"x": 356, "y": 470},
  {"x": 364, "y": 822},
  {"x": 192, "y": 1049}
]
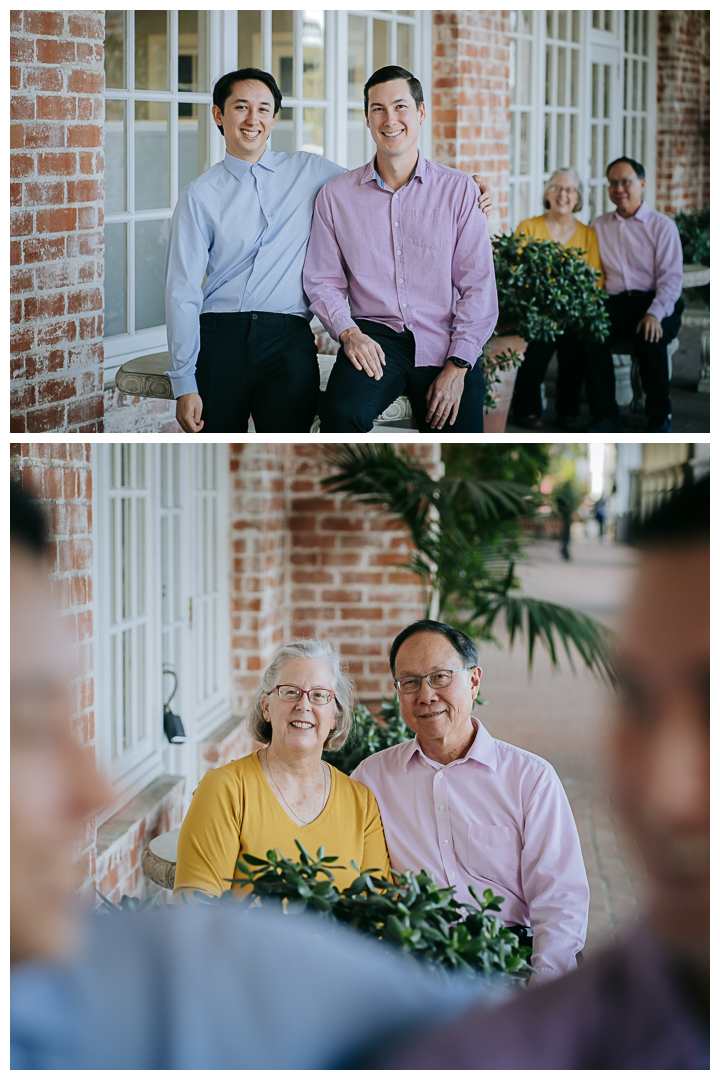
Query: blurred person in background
[
  {"x": 195, "y": 987},
  {"x": 644, "y": 1003},
  {"x": 562, "y": 199},
  {"x": 285, "y": 791}
]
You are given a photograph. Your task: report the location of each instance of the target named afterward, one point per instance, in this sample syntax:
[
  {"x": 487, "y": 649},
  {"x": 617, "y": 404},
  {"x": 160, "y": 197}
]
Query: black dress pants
[
  {"x": 626, "y": 309},
  {"x": 353, "y": 399},
  {"x": 260, "y": 364},
  {"x": 527, "y": 397}
]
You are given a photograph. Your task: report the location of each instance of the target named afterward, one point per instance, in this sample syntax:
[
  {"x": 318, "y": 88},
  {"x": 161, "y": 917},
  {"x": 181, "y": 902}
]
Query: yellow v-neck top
[
  {"x": 234, "y": 811},
  {"x": 584, "y": 238}
]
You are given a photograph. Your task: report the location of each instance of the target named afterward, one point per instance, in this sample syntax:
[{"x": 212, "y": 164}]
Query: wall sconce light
[{"x": 172, "y": 723}]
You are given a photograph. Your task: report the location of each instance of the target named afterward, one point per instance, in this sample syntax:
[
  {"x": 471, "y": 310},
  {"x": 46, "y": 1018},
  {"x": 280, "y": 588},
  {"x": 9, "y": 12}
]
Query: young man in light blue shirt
[{"x": 242, "y": 344}]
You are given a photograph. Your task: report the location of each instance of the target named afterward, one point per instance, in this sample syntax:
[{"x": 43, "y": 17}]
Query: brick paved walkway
[{"x": 565, "y": 719}]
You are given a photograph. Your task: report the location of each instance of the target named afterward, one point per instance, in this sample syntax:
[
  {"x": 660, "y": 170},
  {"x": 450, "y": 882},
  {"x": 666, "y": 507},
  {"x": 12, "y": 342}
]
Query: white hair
[
  {"x": 343, "y": 686},
  {"x": 578, "y": 183}
]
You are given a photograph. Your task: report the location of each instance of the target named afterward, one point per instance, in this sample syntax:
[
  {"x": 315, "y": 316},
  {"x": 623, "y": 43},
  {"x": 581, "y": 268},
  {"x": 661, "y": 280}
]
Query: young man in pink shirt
[{"x": 400, "y": 242}]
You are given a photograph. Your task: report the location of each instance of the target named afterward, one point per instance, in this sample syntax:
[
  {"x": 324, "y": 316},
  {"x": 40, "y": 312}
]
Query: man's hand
[
  {"x": 362, "y": 352},
  {"x": 650, "y": 328},
  {"x": 443, "y": 396},
  {"x": 485, "y": 200},
  {"x": 188, "y": 410}
]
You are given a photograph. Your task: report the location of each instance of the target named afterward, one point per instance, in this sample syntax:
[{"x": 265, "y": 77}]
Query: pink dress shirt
[
  {"x": 419, "y": 257},
  {"x": 497, "y": 819},
  {"x": 642, "y": 252}
]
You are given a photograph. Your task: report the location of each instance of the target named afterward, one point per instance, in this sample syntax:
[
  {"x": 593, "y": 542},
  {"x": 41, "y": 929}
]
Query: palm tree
[{"x": 467, "y": 537}]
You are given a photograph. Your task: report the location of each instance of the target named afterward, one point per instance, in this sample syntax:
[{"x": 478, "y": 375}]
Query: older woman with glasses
[
  {"x": 285, "y": 791},
  {"x": 562, "y": 199}
]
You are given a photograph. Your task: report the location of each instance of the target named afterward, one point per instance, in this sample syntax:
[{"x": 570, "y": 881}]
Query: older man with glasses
[
  {"x": 641, "y": 256},
  {"x": 473, "y": 810}
]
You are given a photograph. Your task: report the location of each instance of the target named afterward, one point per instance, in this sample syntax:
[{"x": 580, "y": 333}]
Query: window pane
[
  {"x": 150, "y": 245},
  {"x": 524, "y": 143},
  {"x": 576, "y": 26},
  {"x": 193, "y": 51},
  {"x": 356, "y": 138},
  {"x": 523, "y": 201},
  {"x": 575, "y": 77},
  {"x": 313, "y": 131},
  {"x": 282, "y": 51},
  {"x": 548, "y": 74},
  {"x": 513, "y": 135},
  {"x": 550, "y": 23},
  {"x": 313, "y": 54},
  {"x": 357, "y": 28},
  {"x": 562, "y": 25},
  {"x": 525, "y": 71},
  {"x": 115, "y": 277},
  {"x": 405, "y": 46},
  {"x": 249, "y": 39},
  {"x": 283, "y": 136},
  {"x": 115, "y": 163},
  {"x": 560, "y": 141},
  {"x": 115, "y": 49},
  {"x": 526, "y": 19},
  {"x": 381, "y": 45},
  {"x": 562, "y": 57},
  {"x": 193, "y": 143},
  {"x": 152, "y": 155},
  {"x": 596, "y": 17},
  {"x": 573, "y": 142},
  {"x": 546, "y": 154},
  {"x": 151, "y": 50}
]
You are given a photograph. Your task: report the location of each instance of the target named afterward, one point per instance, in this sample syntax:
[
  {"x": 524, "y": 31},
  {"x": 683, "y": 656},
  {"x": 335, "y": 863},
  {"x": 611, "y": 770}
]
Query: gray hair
[
  {"x": 343, "y": 686},
  {"x": 578, "y": 183}
]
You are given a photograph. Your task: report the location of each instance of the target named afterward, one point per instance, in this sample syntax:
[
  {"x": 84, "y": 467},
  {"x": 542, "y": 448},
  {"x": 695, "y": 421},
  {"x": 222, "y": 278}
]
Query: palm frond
[
  {"x": 555, "y": 627},
  {"x": 492, "y": 500}
]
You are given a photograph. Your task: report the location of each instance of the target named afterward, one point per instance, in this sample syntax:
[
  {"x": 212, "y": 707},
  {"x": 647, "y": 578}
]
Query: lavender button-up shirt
[
  {"x": 419, "y": 257},
  {"x": 642, "y": 252},
  {"x": 497, "y": 819}
]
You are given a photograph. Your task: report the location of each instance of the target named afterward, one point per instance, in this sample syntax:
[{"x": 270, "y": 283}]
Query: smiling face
[
  {"x": 247, "y": 119},
  {"x": 625, "y": 190},
  {"x": 436, "y": 714},
  {"x": 563, "y": 201},
  {"x": 661, "y": 744},
  {"x": 299, "y": 726},
  {"x": 394, "y": 118}
]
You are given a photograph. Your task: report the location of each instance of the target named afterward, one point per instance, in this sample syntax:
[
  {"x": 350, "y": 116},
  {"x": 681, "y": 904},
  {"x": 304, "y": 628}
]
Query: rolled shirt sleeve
[
  {"x": 324, "y": 277},
  {"x": 473, "y": 276},
  {"x": 187, "y": 258}
]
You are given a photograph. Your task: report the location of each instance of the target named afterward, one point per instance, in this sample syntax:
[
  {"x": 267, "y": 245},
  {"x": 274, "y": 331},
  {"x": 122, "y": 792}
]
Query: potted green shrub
[{"x": 543, "y": 290}]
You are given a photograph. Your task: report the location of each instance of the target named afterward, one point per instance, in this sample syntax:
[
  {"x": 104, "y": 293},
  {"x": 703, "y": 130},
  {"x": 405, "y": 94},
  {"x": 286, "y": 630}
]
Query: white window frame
[
  {"x": 223, "y": 46},
  {"x": 143, "y": 764}
]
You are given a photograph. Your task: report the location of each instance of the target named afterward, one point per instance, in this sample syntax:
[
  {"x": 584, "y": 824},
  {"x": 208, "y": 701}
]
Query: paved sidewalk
[{"x": 565, "y": 719}]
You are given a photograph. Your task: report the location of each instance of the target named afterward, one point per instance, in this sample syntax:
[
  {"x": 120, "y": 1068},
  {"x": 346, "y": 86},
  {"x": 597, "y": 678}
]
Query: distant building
[
  {"x": 111, "y": 118},
  {"x": 647, "y": 473}
]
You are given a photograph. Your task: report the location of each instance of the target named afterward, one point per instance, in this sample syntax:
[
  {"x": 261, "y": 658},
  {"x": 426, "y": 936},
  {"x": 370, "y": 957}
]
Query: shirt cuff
[
  {"x": 182, "y": 384},
  {"x": 657, "y": 308},
  {"x": 338, "y": 328},
  {"x": 464, "y": 350}
]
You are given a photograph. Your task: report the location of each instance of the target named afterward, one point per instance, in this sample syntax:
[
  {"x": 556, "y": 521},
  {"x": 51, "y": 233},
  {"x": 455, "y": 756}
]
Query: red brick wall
[
  {"x": 683, "y": 110},
  {"x": 470, "y": 98},
  {"x": 57, "y": 169},
  {"x": 60, "y": 476}
]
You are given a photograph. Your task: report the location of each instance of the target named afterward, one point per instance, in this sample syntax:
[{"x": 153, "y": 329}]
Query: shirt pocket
[
  {"x": 494, "y": 854},
  {"x": 430, "y": 228}
]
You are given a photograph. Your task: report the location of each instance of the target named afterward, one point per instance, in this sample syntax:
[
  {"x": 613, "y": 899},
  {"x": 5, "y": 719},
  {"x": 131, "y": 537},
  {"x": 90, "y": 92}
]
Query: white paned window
[
  {"x": 161, "y": 574},
  {"x": 580, "y": 95}
]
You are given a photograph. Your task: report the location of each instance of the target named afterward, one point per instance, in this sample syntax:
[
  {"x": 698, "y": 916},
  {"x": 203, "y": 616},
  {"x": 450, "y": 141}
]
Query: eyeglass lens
[
  {"x": 437, "y": 680},
  {"x": 294, "y": 693},
  {"x": 559, "y": 190}
]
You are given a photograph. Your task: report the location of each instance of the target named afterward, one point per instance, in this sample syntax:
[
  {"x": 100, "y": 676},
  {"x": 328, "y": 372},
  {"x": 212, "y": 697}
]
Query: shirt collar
[
  {"x": 641, "y": 214},
  {"x": 483, "y": 749},
  {"x": 240, "y": 168},
  {"x": 371, "y": 172}
]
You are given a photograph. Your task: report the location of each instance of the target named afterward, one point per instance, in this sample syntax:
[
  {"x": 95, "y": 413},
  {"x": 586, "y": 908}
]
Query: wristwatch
[{"x": 459, "y": 363}]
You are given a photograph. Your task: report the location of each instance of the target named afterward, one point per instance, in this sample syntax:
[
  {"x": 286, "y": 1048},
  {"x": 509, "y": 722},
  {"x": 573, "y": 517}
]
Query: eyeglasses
[
  {"x": 314, "y": 696},
  {"x": 622, "y": 183},
  {"x": 559, "y": 190},
  {"x": 436, "y": 679}
]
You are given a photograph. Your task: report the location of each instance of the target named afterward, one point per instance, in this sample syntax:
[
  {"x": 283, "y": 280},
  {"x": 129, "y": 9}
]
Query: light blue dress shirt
[{"x": 246, "y": 226}]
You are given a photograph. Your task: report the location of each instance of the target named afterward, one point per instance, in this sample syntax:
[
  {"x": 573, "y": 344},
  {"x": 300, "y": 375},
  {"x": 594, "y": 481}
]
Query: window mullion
[{"x": 173, "y": 127}]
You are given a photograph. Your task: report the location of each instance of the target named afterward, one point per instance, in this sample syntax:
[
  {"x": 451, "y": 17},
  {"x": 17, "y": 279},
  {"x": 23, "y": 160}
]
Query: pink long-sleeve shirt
[
  {"x": 642, "y": 252},
  {"x": 497, "y": 819},
  {"x": 419, "y": 257}
]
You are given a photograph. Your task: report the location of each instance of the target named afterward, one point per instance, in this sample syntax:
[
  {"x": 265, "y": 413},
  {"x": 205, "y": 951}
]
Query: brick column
[
  {"x": 57, "y": 170},
  {"x": 471, "y": 102},
  {"x": 59, "y": 475},
  {"x": 683, "y": 110}
]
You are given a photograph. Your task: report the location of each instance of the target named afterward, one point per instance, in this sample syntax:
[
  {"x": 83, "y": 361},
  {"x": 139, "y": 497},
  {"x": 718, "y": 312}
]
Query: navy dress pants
[
  {"x": 353, "y": 399},
  {"x": 527, "y": 399}
]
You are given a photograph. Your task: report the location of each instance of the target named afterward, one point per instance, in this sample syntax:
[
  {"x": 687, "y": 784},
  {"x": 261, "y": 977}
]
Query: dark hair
[
  {"x": 27, "y": 521},
  {"x": 463, "y": 645},
  {"x": 681, "y": 519},
  {"x": 223, "y": 87},
  {"x": 387, "y": 74},
  {"x": 639, "y": 170}
]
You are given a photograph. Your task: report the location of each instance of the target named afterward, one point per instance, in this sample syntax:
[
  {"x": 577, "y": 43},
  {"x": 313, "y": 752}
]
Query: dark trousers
[
  {"x": 257, "y": 363},
  {"x": 353, "y": 399},
  {"x": 527, "y": 399},
  {"x": 626, "y": 310}
]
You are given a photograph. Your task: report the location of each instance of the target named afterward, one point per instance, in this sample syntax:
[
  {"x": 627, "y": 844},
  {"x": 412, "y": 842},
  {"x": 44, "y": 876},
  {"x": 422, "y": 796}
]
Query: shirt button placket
[
  {"x": 444, "y": 826},
  {"x": 399, "y": 260}
]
